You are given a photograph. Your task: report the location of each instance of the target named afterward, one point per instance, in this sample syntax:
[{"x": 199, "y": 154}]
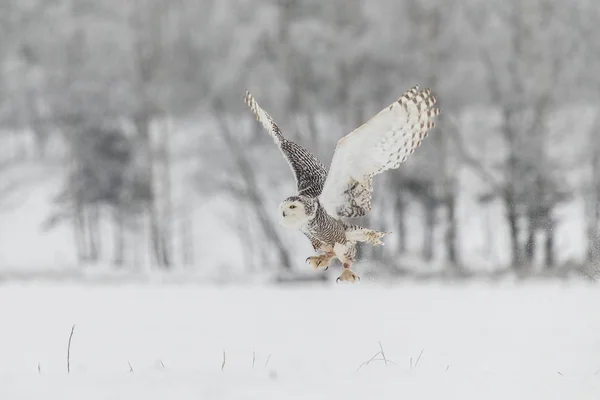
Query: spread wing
[
  {"x": 309, "y": 172},
  {"x": 382, "y": 143}
]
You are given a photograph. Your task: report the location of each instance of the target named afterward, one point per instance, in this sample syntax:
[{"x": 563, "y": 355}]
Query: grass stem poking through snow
[
  {"x": 418, "y": 358},
  {"x": 384, "y": 358},
  {"x": 268, "y": 358},
  {"x": 223, "y": 363},
  {"x": 411, "y": 363},
  {"x": 39, "y": 368},
  {"x": 253, "y": 359},
  {"x": 447, "y": 366},
  {"x": 368, "y": 361},
  {"x": 130, "y": 367},
  {"x": 69, "y": 350},
  {"x": 382, "y": 353}
]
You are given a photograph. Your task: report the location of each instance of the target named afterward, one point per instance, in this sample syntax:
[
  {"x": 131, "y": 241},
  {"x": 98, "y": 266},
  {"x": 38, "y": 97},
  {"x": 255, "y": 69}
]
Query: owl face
[{"x": 296, "y": 211}]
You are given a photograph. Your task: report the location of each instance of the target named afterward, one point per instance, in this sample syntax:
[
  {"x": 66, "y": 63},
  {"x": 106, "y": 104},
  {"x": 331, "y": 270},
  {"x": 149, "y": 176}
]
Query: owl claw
[
  {"x": 348, "y": 275},
  {"x": 320, "y": 261}
]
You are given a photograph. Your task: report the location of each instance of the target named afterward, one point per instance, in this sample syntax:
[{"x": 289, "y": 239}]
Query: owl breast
[{"x": 327, "y": 229}]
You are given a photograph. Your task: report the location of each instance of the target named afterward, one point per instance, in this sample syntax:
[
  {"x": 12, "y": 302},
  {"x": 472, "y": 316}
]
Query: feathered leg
[
  {"x": 346, "y": 253},
  {"x": 360, "y": 234}
]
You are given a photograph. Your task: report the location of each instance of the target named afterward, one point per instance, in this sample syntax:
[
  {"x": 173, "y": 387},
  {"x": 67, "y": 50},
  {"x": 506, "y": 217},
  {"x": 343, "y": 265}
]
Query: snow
[{"x": 478, "y": 341}]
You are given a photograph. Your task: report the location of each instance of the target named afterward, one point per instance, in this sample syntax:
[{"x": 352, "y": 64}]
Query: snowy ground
[{"x": 478, "y": 341}]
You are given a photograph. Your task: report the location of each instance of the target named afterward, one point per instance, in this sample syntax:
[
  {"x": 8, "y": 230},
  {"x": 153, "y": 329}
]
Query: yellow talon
[
  {"x": 320, "y": 261},
  {"x": 348, "y": 275}
]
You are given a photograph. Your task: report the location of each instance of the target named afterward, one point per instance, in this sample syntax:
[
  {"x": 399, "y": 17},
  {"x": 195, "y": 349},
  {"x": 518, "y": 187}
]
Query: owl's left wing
[
  {"x": 309, "y": 172},
  {"x": 382, "y": 143}
]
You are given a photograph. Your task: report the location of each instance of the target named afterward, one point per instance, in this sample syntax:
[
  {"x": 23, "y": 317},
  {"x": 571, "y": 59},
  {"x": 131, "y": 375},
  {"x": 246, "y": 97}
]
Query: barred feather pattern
[
  {"x": 324, "y": 230},
  {"x": 420, "y": 110},
  {"x": 309, "y": 172}
]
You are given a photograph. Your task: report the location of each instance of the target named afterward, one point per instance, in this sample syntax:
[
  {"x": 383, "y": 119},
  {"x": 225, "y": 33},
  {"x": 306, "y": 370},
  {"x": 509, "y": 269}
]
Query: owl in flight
[{"x": 324, "y": 198}]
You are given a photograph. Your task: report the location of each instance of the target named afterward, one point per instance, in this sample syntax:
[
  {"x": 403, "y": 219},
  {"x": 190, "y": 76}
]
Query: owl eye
[{"x": 292, "y": 207}]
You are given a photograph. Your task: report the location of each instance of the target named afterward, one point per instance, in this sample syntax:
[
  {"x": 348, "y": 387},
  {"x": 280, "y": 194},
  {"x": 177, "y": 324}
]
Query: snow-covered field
[{"x": 134, "y": 341}]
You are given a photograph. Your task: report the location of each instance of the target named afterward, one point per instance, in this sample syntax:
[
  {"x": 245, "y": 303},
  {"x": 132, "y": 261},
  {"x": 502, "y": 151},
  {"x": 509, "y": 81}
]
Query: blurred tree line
[{"x": 107, "y": 78}]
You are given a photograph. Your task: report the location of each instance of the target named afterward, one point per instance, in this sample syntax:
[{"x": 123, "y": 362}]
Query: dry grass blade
[
  {"x": 223, "y": 363},
  {"x": 382, "y": 353},
  {"x": 418, "y": 358},
  {"x": 253, "y": 359},
  {"x": 374, "y": 358},
  {"x": 69, "y": 350},
  {"x": 130, "y": 367},
  {"x": 268, "y": 358},
  {"x": 368, "y": 361}
]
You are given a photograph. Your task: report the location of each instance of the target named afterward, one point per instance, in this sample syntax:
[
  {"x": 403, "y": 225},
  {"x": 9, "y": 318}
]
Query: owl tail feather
[{"x": 360, "y": 234}]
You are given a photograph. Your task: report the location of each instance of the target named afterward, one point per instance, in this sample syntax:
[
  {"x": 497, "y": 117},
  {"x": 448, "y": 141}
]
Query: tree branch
[
  {"x": 246, "y": 170},
  {"x": 468, "y": 158}
]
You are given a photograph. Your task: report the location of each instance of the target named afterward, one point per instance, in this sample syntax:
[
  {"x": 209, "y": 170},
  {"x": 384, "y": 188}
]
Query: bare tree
[
  {"x": 251, "y": 187},
  {"x": 587, "y": 20},
  {"x": 147, "y": 21},
  {"x": 524, "y": 112}
]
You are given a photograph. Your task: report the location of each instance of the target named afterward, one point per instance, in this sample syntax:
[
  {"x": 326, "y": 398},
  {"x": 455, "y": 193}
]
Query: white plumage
[{"x": 383, "y": 142}]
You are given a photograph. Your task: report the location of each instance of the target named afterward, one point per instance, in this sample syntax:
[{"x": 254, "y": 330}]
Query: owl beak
[{"x": 283, "y": 214}]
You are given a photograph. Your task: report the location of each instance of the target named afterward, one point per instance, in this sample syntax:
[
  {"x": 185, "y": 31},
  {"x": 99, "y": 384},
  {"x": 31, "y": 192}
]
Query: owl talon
[
  {"x": 320, "y": 261},
  {"x": 348, "y": 275}
]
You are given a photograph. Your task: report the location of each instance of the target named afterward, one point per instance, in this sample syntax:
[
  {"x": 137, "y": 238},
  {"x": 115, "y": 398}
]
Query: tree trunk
[
  {"x": 593, "y": 203},
  {"x": 93, "y": 223},
  {"x": 147, "y": 18},
  {"x": 549, "y": 244},
  {"x": 166, "y": 262},
  {"x": 79, "y": 231},
  {"x": 530, "y": 246},
  {"x": 400, "y": 206},
  {"x": 142, "y": 122},
  {"x": 512, "y": 219},
  {"x": 593, "y": 236},
  {"x": 119, "y": 237},
  {"x": 137, "y": 244},
  {"x": 451, "y": 230},
  {"x": 187, "y": 235},
  {"x": 167, "y": 211},
  {"x": 429, "y": 231}
]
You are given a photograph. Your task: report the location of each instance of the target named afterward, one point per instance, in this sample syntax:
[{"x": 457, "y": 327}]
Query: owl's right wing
[
  {"x": 382, "y": 143},
  {"x": 309, "y": 172}
]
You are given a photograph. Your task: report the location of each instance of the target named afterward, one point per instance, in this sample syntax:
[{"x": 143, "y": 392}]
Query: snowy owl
[{"x": 382, "y": 143}]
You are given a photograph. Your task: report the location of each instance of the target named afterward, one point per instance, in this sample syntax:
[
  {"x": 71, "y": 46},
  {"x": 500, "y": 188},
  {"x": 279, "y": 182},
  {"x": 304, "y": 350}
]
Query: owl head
[{"x": 296, "y": 211}]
